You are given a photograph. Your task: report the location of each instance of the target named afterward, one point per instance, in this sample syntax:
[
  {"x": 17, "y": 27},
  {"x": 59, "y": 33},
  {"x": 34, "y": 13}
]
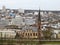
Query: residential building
[
  {"x": 4, "y": 33},
  {"x": 18, "y": 20}
]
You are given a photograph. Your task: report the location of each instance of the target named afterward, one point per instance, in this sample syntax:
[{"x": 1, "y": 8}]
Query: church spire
[
  {"x": 39, "y": 20},
  {"x": 39, "y": 28},
  {"x": 40, "y": 34},
  {"x": 39, "y": 16}
]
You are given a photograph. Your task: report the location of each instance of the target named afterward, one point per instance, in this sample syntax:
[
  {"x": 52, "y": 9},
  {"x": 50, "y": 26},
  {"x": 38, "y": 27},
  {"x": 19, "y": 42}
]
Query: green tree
[
  {"x": 17, "y": 36},
  {"x": 47, "y": 34}
]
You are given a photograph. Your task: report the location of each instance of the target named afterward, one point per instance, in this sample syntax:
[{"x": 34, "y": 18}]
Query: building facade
[
  {"x": 4, "y": 33},
  {"x": 28, "y": 34}
]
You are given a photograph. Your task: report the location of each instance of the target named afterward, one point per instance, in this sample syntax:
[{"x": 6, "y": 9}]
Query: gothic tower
[{"x": 39, "y": 26}]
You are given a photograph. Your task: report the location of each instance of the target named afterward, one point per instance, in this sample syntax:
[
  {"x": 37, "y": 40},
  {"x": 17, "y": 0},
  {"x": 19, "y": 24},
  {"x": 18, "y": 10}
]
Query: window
[
  {"x": 33, "y": 34},
  {"x": 30, "y": 34},
  {"x": 26, "y": 34},
  {"x": 36, "y": 34}
]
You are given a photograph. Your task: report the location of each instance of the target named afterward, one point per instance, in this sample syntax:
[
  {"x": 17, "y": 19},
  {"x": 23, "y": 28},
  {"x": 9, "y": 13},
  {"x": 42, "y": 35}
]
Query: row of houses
[{"x": 28, "y": 33}]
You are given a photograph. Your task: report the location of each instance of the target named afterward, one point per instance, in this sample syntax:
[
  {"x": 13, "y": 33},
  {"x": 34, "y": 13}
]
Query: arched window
[
  {"x": 33, "y": 34},
  {"x": 30, "y": 34},
  {"x": 36, "y": 34},
  {"x": 26, "y": 34}
]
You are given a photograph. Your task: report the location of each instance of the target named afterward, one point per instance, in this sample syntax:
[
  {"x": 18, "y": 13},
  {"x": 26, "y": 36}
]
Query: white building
[
  {"x": 35, "y": 13},
  {"x": 7, "y": 34},
  {"x": 4, "y": 22},
  {"x": 21, "y": 10},
  {"x": 56, "y": 33},
  {"x": 29, "y": 21},
  {"x": 3, "y": 9},
  {"x": 18, "y": 20}
]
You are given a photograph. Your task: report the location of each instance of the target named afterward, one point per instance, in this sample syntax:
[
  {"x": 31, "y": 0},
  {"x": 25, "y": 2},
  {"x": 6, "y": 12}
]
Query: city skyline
[{"x": 32, "y": 4}]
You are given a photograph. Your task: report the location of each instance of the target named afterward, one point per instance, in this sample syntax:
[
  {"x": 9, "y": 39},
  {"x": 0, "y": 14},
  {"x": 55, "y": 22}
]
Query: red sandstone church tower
[{"x": 39, "y": 27}]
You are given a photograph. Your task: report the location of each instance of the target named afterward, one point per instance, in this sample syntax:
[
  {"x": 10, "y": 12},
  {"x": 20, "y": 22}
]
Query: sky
[{"x": 31, "y": 4}]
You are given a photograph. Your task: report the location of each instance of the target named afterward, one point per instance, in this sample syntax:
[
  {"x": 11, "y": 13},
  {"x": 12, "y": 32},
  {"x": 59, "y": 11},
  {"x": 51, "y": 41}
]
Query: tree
[
  {"x": 47, "y": 34},
  {"x": 17, "y": 36}
]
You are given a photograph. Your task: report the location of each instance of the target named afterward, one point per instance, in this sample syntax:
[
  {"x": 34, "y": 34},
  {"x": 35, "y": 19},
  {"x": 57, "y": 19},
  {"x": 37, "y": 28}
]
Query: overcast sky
[{"x": 31, "y": 4}]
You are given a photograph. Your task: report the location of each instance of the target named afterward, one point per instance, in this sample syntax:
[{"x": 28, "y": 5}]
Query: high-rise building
[{"x": 3, "y": 9}]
